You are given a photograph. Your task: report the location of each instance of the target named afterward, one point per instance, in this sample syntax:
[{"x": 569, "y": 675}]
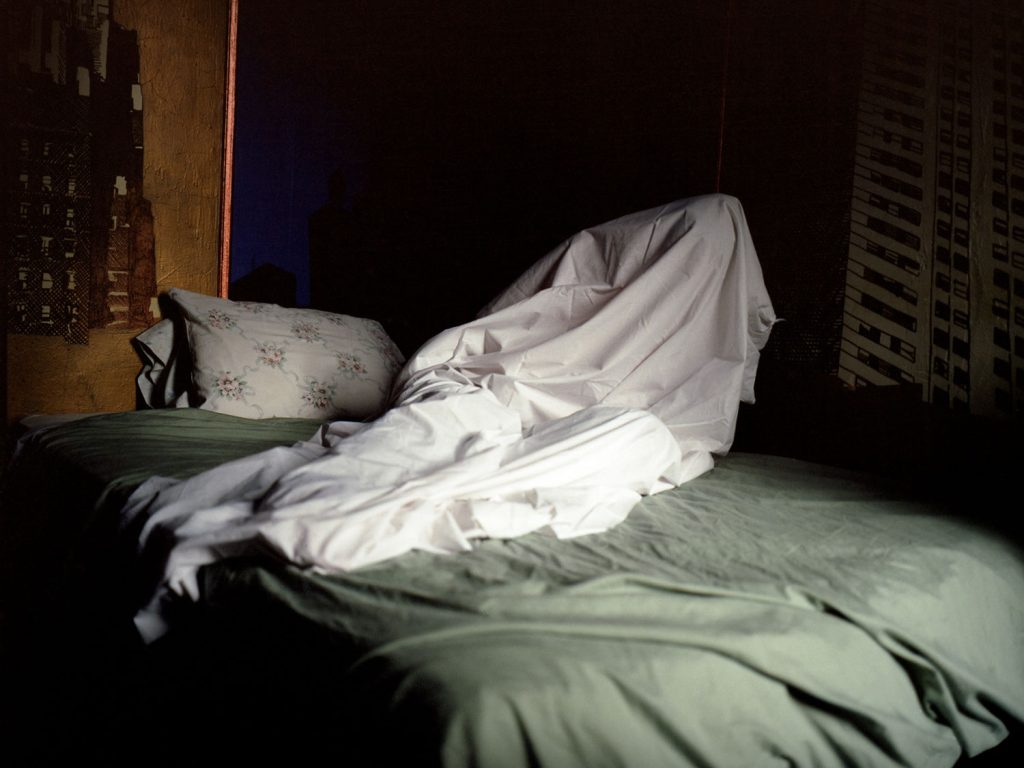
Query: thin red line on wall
[
  {"x": 730, "y": 13},
  {"x": 224, "y": 263}
]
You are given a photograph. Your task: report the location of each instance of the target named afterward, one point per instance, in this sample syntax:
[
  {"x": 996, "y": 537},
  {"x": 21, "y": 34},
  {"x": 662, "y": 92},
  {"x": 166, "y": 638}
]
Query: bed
[{"x": 764, "y": 611}]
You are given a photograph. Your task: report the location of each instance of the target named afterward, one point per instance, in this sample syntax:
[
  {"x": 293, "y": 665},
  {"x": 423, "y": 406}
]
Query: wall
[
  {"x": 788, "y": 149},
  {"x": 473, "y": 136},
  {"x": 182, "y": 49},
  {"x": 478, "y": 141}
]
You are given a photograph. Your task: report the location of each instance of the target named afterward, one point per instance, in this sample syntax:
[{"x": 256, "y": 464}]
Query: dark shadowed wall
[{"x": 474, "y": 136}]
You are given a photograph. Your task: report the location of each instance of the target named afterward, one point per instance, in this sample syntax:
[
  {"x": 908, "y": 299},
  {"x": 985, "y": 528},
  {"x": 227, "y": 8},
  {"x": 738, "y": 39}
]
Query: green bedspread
[
  {"x": 72, "y": 676},
  {"x": 66, "y": 484},
  {"x": 112, "y": 453},
  {"x": 770, "y": 612}
]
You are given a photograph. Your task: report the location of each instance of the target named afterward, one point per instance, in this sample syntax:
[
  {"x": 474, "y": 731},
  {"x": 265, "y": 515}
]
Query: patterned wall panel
[
  {"x": 1003, "y": 279},
  {"x": 77, "y": 230},
  {"x": 930, "y": 279}
]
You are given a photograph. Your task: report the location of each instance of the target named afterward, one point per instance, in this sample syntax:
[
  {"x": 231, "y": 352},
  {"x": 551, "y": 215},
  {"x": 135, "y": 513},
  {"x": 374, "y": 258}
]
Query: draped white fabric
[{"x": 613, "y": 368}]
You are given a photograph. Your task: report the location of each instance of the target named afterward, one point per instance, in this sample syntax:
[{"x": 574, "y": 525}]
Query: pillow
[
  {"x": 163, "y": 381},
  {"x": 263, "y": 360}
]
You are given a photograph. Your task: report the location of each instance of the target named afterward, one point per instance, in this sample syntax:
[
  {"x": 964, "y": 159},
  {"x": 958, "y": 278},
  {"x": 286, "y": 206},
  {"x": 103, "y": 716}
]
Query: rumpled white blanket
[{"x": 612, "y": 368}]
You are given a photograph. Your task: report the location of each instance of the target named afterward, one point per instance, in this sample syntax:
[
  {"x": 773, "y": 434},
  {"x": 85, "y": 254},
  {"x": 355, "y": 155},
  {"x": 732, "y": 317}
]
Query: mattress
[{"x": 772, "y": 611}]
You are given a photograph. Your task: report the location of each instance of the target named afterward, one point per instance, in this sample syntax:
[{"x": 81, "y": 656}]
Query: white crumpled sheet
[{"x": 612, "y": 368}]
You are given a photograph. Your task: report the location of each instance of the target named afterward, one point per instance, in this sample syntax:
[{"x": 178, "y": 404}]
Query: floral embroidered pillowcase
[{"x": 263, "y": 360}]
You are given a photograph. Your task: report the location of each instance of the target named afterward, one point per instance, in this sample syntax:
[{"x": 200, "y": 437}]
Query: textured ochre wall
[{"x": 182, "y": 47}]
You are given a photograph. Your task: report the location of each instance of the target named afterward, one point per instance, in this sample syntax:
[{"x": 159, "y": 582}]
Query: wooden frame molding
[{"x": 224, "y": 261}]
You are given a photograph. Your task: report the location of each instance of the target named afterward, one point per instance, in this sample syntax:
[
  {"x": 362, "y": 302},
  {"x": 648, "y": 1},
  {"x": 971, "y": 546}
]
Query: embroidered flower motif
[
  {"x": 270, "y": 355},
  {"x": 306, "y": 330},
  {"x": 219, "y": 319},
  {"x": 318, "y": 394},
  {"x": 231, "y": 387},
  {"x": 382, "y": 344},
  {"x": 255, "y": 307},
  {"x": 350, "y": 364},
  {"x": 337, "y": 320}
]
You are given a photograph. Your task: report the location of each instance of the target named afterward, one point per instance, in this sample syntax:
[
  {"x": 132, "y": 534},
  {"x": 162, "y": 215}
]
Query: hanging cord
[{"x": 730, "y": 14}]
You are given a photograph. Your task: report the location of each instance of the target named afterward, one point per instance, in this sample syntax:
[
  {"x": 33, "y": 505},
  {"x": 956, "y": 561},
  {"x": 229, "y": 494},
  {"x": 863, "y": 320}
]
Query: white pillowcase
[
  {"x": 163, "y": 381},
  {"x": 263, "y": 360}
]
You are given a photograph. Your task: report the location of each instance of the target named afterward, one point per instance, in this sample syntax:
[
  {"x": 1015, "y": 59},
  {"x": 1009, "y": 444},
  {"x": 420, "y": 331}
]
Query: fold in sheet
[{"x": 613, "y": 368}]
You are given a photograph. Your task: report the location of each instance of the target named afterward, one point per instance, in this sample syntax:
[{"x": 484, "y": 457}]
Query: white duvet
[{"x": 612, "y": 368}]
